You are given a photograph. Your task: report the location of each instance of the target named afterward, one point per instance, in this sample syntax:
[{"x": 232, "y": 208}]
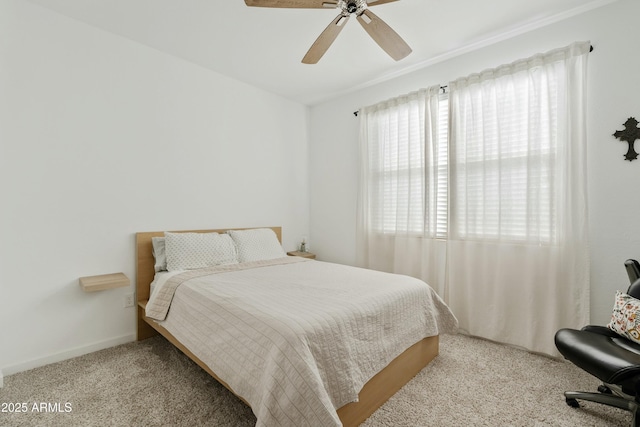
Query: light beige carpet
[{"x": 471, "y": 383}]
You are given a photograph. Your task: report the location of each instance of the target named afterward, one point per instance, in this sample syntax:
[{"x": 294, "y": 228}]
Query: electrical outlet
[{"x": 128, "y": 300}]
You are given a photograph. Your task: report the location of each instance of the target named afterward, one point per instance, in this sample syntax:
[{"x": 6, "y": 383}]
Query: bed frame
[{"x": 374, "y": 393}]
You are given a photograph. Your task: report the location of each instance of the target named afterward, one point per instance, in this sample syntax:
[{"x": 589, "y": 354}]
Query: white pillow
[
  {"x": 257, "y": 244},
  {"x": 159, "y": 253},
  {"x": 188, "y": 251}
]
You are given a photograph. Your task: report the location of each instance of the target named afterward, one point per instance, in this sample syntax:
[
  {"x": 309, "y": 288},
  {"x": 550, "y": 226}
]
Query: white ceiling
[{"x": 263, "y": 46}]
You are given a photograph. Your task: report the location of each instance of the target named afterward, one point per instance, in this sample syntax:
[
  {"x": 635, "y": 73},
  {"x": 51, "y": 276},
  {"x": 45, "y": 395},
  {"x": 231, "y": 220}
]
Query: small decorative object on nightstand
[
  {"x": 302, "y": 254},
  {"x": 103, "y": 281}
]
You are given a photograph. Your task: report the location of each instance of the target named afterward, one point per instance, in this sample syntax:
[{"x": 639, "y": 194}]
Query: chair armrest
[{"x": 602, "y": 330}]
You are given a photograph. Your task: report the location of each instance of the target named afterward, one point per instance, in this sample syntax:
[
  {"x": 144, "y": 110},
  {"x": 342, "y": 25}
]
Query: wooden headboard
[{"x": 145, "y": 270}]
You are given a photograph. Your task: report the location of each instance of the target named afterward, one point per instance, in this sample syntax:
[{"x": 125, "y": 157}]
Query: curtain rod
[{"x": 444, "y": 88}]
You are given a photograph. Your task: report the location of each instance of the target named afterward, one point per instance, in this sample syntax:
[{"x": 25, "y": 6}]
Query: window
[
  {"x": 408, "y": 166},
  {"x": 503, "y": 158},
  {"x": 498, "y": 184}
]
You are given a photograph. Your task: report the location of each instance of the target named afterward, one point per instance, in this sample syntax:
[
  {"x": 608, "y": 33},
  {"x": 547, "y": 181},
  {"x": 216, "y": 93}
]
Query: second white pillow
[
  {"x": 188, "y": 251},
  {"x": 257, "y": 244}
]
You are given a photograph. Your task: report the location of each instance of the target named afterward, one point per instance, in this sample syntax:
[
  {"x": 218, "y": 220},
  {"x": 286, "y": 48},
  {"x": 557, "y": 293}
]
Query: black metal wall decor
[{"x": 630, "y": 133}]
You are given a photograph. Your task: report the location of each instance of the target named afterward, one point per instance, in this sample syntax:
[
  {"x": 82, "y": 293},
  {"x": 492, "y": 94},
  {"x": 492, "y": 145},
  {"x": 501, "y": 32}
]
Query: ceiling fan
[{"x": 379, "y": 31}]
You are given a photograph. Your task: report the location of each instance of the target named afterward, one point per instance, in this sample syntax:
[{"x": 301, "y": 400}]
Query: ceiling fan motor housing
[{"x": 352, "y": 6}]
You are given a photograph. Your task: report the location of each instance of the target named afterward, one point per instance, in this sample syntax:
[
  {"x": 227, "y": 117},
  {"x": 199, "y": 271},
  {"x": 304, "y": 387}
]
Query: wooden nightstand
[{"x": 302, "y": 254}]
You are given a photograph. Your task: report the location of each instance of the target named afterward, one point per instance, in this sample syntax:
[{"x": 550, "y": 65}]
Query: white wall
[
  {"x": 614, "y": 85},
  {"x": 100, "y": 138}
]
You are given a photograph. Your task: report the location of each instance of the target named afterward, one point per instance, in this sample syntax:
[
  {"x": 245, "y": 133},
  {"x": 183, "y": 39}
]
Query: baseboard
[{"x": 64, "y": 355}]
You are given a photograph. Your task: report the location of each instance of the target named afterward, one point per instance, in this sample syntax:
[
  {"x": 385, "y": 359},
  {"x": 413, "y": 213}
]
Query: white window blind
[{"x": 440, "y": 225}]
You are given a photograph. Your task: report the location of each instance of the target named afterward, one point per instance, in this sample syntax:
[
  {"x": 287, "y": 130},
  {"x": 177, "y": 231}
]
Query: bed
[{"x": 302, "y": 381}]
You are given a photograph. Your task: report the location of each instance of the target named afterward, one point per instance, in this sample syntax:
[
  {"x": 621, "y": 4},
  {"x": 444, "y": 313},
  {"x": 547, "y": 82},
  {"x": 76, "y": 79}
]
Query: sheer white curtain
[
  {"x": 402, "y": 195},
  {"x": 482, "y": 194},
  {"x": 517, "y": 256}
]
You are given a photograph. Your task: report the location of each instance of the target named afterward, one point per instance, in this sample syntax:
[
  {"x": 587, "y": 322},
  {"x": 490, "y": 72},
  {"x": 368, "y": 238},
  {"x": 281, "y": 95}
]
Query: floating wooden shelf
[{"x": 104, "y": 281}]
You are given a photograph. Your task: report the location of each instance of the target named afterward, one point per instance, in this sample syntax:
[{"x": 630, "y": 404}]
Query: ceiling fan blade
[
  {"x": 324, "y": 40},
  {"x": 384, "y": 35},
  {"x": 300, "y": 4},
  {"x": 377, "y": 2}
]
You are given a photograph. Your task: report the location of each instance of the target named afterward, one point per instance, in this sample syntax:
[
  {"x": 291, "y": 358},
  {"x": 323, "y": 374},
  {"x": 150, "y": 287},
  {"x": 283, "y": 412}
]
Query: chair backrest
[
  {"x": 633, "y": 269},
  {"x": 634, "y": 289}
]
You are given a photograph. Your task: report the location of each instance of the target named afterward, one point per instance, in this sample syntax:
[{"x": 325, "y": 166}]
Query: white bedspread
[{"x": 298, "y": 338}]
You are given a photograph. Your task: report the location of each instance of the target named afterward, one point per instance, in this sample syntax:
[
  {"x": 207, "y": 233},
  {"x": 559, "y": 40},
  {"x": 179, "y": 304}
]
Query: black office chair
[
  {"x": 633, "y": 269},
  {"x": 614, "y": 359}
]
